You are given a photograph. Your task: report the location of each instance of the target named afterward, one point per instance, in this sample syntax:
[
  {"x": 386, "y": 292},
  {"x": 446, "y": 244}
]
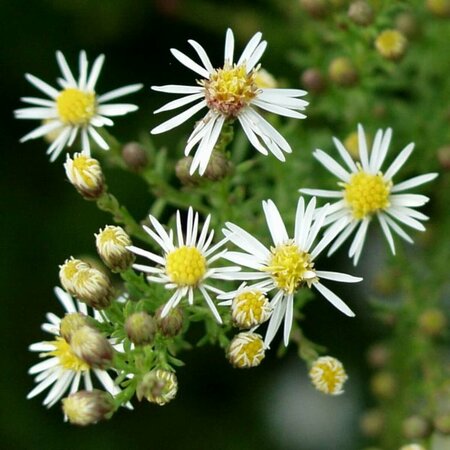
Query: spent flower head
[
  {"x": 289, "y": 264},
  {"x": 366, "y": 192},
  {"x": 230, "y": 92},
  {"x": 74, "y": 108}
]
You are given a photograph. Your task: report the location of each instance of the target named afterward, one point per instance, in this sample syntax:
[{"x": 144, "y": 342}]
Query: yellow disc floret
[
  {"x": 366, "y": 194},
  {"x": 250, "y": 308},
  {"x": 328, "y": 375},
  {"x": 230, "y": 89},
  {"x": 67, "y": 358},
  {"x": 185, "y": 266},
  {"x": 246, "y": 350},
  {"x": 290, "y": 267},
  {"x": 75, "y": 107}
]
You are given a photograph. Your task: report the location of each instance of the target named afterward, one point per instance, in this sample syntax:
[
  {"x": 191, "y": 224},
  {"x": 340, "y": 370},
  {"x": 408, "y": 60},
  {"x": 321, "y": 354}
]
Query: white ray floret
[
  {"x": 74, "y": 109},
  {"x": 62, "y": 372},
  {"x": 366, "y": 192},
  {"x": 288, "y": 265},
  {"x": 230, "y": 92},
  {"x": 185, "y": 266}
]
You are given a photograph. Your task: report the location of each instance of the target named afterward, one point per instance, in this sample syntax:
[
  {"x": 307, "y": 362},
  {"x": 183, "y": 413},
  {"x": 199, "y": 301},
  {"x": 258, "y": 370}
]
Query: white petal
[
  {"x": 398, "y": 162},
  {"x": 59, "y": 143},
  {"x": 249, "y": 48},
  {"x": 146, "y": 254},
  {"x": 306, "y": 224},
  {"x": 189, "y": 63},
  {"x": 67, "y": 73},
  {"x": 38, "y": 101},
  {"x": 408, "y": 200},
  {"x": 98, "y": 139},
  {"x": 36, "y": 113},
  {"x": 406, "y": 219},
  {"x": 202, "y": 55},
  {"x": 117, "y": 109},
  {"x": 83, "y": 65},
  {"x": 120, "y": 92},
  {"x": 387, "y": 232},
  {"x": 334, "y": 299},
  {"x": 211, "y": 304},
  {"x": 65, "y": 299},
  {"x": 95, "y": 72},
  {"x": 42, "y": 130},
  {"x": 362, "y": 144},
  {"x": 373, "y": 159},
  {"x": 329, "y": 235},
  {"x": 42, "y": 86},
  {"x": 244, "y": 259},
  {"x": 317, "y": 225},
  {"x": 342, "y": 237},
  {"x": 43, "y": 385},
  {"x": 229, "y": 47},
  {"x": 413, "y": 182},
  {"x": 275, "y": 222},
  {"x": 288, "y": 318},
  {"x": 398, "y": 229},
  {"x": 256, "y": 56},
  {"x": 358, "y": 241},
  {"x": 246, "y": 241},
  {"x": 275, "y": 322},
  {"x": 278, "y": 109},
  {"x": 345, "y": 155},
  {"x": 321, "y": 193},
  {"x": 178, "y": 89},
  {"x": 179, "y": 102},
  {"x": 337, "y": 276},
  {"x": 331, "y": 165}
]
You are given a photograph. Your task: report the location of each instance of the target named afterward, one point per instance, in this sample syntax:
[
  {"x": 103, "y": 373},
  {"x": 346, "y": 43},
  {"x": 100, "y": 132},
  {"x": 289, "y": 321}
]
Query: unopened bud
[
  {"x": 328, "y": 375},
  {"x": 361, "y": 12},
  {"x": 412, "y": 447},
  {"x": 372, "y": 423},
  {"x": 88, "y": 407},
  {"x": 407, "y": 24},
  {"x": 112, "y": 244},
  {"x": 219, "y": 166},
  {"x": 432, "y": 322},
  {"x": 246, "y": 350},
  {"x": 416, "y": 427},
  {"x": 249, "y": 308},
  {"x": 442, "y": 423},
  {"x": 92, "y": 347},
  {"x": 171, "y": 324},
  {"x": 182, "y": 168},
  {"x": 443, "y": 156},
  {"x": 140, "y": 328},
  {"x": 86, "y": 175},
  {"x": 69, "y": 270},
  {"x": 158, "y": 386},
  {"x": 342, "y": 72},
  {"x": 384, "y": 385},
  {"x": 378, "y": 356},
  {"x": 315, "y": 8},
  {"x": 265, "y": 80},
  {"x": 313, "y": 80},
  {"x": 440, "y": 8},
  {"x": 391, "y": 44},
  {"x": 134, "y": 156},
  {"x": 70, "y": 323}
]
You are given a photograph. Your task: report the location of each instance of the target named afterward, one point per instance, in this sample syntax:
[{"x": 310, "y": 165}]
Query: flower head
[
  {"x": 289, "y": 264},
  {"x": 158, "y": 386},
  {"x": 230, "y": 92},
  {"x": 366, "y": 192},
  {"x": 246, "y": 350},
  {"x": 391, "y": 44},
  {"x": 62, "y": 369},
  {"x": 328, "y": 375},
  {"x": 74, "y": 108},
  {"x": 186, "y": 265}
]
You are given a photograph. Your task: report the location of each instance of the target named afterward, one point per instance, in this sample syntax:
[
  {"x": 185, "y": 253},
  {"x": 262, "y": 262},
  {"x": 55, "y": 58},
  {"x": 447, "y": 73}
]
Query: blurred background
[{"x": 44, "y": 220}]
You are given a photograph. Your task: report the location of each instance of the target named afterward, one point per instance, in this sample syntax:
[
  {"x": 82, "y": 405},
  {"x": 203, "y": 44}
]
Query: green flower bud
[
  {"x": 134, "y": 156},
  {"x": 158, "y": 386},
  {"x": 384, "y": 385},
  {"x": 372, "y": 423},
  {"x": 219, "y": 166},
  {"x": 432, "y": 322},
  {"x": 342, "y": 72},
  {"x": 313, "y": 80},
  {"x": 170, "y": 325},
  {"x": 140, "y": 328},
  {"x": 361, "y": 12},
  {"x": 416, "y": 427}
]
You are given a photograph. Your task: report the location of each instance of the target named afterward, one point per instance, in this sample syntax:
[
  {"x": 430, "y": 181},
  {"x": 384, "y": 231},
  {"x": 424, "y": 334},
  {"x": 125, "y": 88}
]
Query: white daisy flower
[
  {"x": 368, "y": 192},
  {"x": 230, "y": 92},
  {"x": 289, "y": 264},
  {"x": 74, "y": 108},
  {"x": 185, "y": 265},
  {"x": 62, "y": 370}
]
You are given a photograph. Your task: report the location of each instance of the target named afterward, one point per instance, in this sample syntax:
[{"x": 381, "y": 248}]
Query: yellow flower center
[
  {"x": 85, "y": 166},
  {"x": 67, "y": 358},
  {"x": 366, "y": 193},
  {"x": 328, "y": 375},
  {"x": 75, "y": 107},
  {"x": 230, "y": 89},
  {"x": 185, "y": 266},
  {"x": 288, "y": 266},
  {"x": 391, "y": 44},
  {"x": 250, "y": 308}
]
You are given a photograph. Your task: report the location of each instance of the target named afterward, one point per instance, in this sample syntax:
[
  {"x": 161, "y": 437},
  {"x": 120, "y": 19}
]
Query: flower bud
[
  {"x": 70, "y": 323},
  {"x": 134, "y": 156},
  {"x": 432, "y": 322},
  {"x": 86, "y": 175},
  {"x": 361, "y": 12},
  {"x": 342, "y": 72},
  {"x": 440, "y": 8},
  {"x": 112, "y": 244},
  {"x": 442, "y": 423},
  {"x": 265, "y": 80},
  {"x": 246, "y": 350},
  {"x": 182, "y": 168},
  {"x": 391, "y": 44},
  {"x": 313, "y": 80},
  {"x": 88, "y": 407},
  {"x": 328, "y": 375},
  {"x": 372, "y": 423},
  {"x": 378, "y": 356},
  {"x": 443, "y": 156},
  {"x": 92, "y": 347},
  {"x": 412, "y": 447},
  {"x": 87, "y": 284},
  {"x": 250, "y": 308},
  {"x": 416, "y": 427},
  {"x": 140, "y": 328},
  {"x": 158, "y": 386},
  {"x": 315, "y": 8},
  {"x": 407, "y": 24},
  {"x": 384, "y": 385},
  {"x": 219, "y": 166},
  {"x": 171, "y": 324}
]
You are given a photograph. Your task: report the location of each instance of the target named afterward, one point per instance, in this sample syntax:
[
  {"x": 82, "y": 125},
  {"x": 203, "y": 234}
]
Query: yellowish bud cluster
[
  {"x": 246, "y": 350},
  {"x": 158, "y": 386},
  {"x": 86, "y": 283},
  {"x": 88, "y": 407},
  {"x": 328, "y": 375},
  {"x": 391, "y": 44},
  {"x": 140, "y": 328},
  {"x": 70, "y": 323},
  {"x": 92, "y": 347},
  {"x": 85, "y": 173},
  {"x": 112, "y": 244},
  {"x": 250, "y": 308}
]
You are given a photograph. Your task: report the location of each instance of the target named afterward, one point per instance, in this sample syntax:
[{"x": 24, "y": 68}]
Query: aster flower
[
  {"x": 62, "y": 370},
  {"x": 366, "y": 192},
  {"x": 230, "y": 92},
  {"x": 75, "y": 108},
  {"x": 186, "y": 265},
  {"x": 289, "y": 264}
]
